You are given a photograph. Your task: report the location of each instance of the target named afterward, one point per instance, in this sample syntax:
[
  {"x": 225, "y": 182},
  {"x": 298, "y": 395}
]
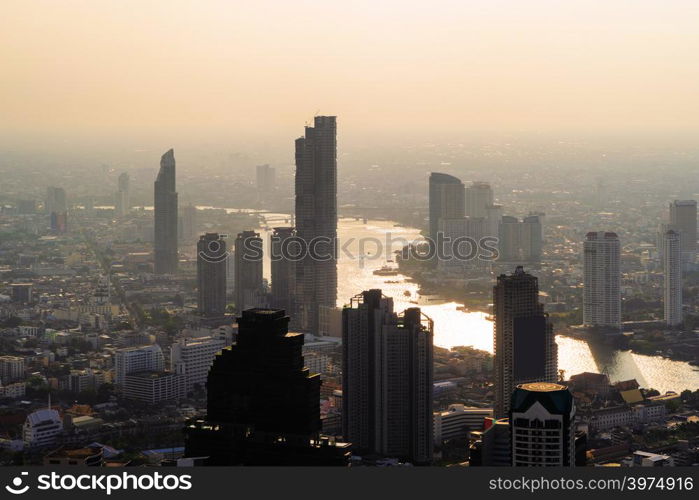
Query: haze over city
[{"x": 453, "y": 233}]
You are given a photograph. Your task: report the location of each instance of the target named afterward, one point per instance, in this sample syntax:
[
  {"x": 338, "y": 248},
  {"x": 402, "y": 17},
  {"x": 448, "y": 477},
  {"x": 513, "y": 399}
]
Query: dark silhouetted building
[
  {"x": 542, "y": 426},
  {"x": 211, "y": 274},
  {"x": 283, "y": 268},
  {"x": 56, "y": 206},
  {"x": 316, "y": 220},
  {"x": 263, "y": 404},
  {"x": 387, "y": 379},
  {"x": 165, "y": 212},
  {"x": 249, "y": 292},
  {"x": 525, "y": 347}
]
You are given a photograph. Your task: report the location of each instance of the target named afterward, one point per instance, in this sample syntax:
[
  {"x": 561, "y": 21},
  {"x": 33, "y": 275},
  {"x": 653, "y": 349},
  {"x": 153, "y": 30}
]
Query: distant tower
[
  {"x": 165, "y": 213},
  {"x": 387, "y": 379},
  {"x": 446, "y": 200},
  {"x": 601, "y": 280},
  {"x": 122, "y": 197},
  {"x": 683, "y": 217},
  {"x": 316, "y": 219},
  {"x": 283, "y": 269},
  {"x": 248, "y": 271},
  {"x": 265, "y": 176},
  {"x": 56, "y": 207},
  {"x": 542, "y": 413},
  {"x": 211, "y": 274},
  {"x": 189, "y": 224},
  {"x": 479, "y": 196},
  {"x": 525, "y": 347},
  {"x": 672, "y": 264}
]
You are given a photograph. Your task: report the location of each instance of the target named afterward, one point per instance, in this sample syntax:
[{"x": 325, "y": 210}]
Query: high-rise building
[
  {"x": 122, "y": 202},
  {"x": 189, "y": 224},
  {"x": 446, "y": 200},
  {"x": 137, "y": 359},
  {"x": 165, "y": 213},
  {"x": 683, "y": 216},
  {"x": 11, "y": 369},
  {"x": 479, "y": 196},
  {"x": 192, "y": 359},
  {"x": 263, "y": 404},
  {"x": 601, "y": 280},
  {"x": 283, "y": 267},
  {"x": 525, "y": 347},
  {"x": 248, "y": 290},
  {"x": 491, "y": 447},
  {"x": 542, "y": 426},
  {"x": 520, "y": 240},
  {"x": 316, "y": 220},
  {"x": 387, "y": 379},
  {"x": 211, "y": 274},
  {"x": 672, "y": 265},
  {"x": 56, "y": 206},
  {"x": 265, "y": 179},
  {"x": 460, "y": 249}
]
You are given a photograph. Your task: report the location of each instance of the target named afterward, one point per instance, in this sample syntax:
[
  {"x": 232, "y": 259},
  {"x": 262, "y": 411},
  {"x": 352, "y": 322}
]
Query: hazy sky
[{"x": 237, "y": 70}]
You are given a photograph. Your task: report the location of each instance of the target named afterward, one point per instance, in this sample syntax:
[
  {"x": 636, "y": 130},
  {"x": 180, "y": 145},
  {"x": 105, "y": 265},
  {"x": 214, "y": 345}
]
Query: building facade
[
  {"x": 165, "y": 216},
  {"x": 602, "y": 280}
]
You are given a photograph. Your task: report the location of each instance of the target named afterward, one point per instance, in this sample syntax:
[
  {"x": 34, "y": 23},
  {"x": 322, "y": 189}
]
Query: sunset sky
[{"x": 219, "y": 69}]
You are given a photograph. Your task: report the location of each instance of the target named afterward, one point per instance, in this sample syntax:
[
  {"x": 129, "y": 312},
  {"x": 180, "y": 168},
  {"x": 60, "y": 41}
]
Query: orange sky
[{"x": 223, "y": 68}]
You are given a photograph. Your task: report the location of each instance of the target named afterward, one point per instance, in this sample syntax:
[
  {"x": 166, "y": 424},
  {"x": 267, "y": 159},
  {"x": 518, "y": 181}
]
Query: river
[{"x": 453, "y": 327}]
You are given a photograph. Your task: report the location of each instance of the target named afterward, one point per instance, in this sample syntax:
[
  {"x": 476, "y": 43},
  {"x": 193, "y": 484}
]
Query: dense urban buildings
[
  {"x": 672, "y": 282},
  {"x": 316, "y": 220},
  {"x": 263, "y": 404},
  {"x": 542, "y": 426},
  {"x": 165, "y": 216},
  {"x": 387, "y": 379},
  {"x": 248, "y": 286},
  {"x": 602, "y": 280},
  {"x": 524, "y": 344},
  {"x": 211, "y": 274}
]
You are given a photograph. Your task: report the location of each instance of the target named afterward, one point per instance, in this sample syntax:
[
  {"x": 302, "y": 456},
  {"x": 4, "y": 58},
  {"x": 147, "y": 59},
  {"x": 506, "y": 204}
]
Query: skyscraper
[
  {"x": 387, "y": 379},
  {"x": 211, "y": 274},
  {"x": 263, "y": 405},
  {"x": 446, "y": 200},
  {"x": 265, "y": 176},
  {"x": 122, "y": 202},
  {"x": 189, "y": 223},
  {"x": 248, "y": 271},
  {"x": 283, "y": 269},
  {"x": 542, "y": 426},
  {"x": 479, "y": 196},
  {"x": 601, "y": 280},
  {"x": 683, "y": 216},
  {"x": 520, "y": 240},
  {"x": 316, "y": 219},
  {"x": 525, "y": 347},
  {"x": 56, "y": 206},
  {"x": 672, "y": 265},
  {"x": 165, "y": 213}
]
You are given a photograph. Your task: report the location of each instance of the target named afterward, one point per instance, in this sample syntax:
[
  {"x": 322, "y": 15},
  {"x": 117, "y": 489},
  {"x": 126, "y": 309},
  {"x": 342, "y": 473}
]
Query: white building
[
  {"x": 601, "y": 280},
  {"x": 192, "y": 358},
  {"x": 458, "y": 421},
  {"x": 672, "y": 265},
  {"x": 137, "y": 359},
  {"x": 42, "y": 428}
]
